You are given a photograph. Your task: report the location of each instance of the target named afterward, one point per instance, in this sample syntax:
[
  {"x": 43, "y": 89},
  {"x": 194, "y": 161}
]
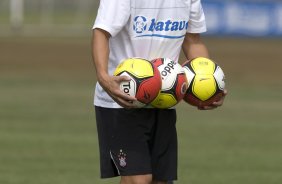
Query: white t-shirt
[{"x": 147, "y": 29}]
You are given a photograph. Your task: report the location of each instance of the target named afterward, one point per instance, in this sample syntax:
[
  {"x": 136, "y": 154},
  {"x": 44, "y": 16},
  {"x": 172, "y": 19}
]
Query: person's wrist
[{"x": 102, "y": 78}]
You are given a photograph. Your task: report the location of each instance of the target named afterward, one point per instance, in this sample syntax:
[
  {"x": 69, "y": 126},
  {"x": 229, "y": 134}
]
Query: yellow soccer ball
[
  {"x": 174, "y": 83},
  {"x": 206, "y": 81},
  {"x": 145, "y": 80}
]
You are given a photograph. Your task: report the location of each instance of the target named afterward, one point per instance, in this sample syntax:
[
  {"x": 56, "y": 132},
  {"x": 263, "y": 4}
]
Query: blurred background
[{"x": 47, "y": 121}]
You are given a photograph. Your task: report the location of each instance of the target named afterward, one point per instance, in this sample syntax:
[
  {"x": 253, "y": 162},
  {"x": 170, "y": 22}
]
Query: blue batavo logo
[{"x": 141, "y": 24}]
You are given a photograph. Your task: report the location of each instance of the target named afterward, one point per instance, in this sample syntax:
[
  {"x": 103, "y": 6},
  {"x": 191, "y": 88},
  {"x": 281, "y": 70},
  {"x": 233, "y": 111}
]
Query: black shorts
[{"x": 137, "y": 141}]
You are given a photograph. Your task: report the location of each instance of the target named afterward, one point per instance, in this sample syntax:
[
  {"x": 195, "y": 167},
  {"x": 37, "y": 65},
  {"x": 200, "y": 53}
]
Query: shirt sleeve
[
  {"x": 112, "y": 15},
  {"x": 197, "y": 22}
]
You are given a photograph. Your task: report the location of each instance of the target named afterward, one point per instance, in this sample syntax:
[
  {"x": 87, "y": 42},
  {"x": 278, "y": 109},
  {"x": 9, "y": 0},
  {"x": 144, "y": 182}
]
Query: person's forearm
[
  {"x": 100, "y": 53},
  {"x": 193, "y": 47}
]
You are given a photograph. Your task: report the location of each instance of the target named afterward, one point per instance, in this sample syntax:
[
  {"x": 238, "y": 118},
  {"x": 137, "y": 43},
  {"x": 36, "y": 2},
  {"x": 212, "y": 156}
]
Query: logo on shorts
[{"x": 122, "y": 158}]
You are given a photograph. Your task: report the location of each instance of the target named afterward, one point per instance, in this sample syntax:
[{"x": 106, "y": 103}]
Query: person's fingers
[
  {"x": 122, "y": 98},
  {"x": 218, "y": 103},
  {"x": 125, "y": 103},
  {"x": 225, "y": 92},
  {"x": 207, "y": 107},
  {"x": 122, "y": 78}
]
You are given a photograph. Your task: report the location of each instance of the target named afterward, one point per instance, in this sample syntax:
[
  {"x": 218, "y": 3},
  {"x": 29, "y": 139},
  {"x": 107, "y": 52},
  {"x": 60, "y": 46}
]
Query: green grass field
[{"x": 47, "y": 122}]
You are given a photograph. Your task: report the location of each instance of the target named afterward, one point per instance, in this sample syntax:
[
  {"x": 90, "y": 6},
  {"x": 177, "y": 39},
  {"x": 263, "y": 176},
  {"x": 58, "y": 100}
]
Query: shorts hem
[{"x": 125, "y": 174}]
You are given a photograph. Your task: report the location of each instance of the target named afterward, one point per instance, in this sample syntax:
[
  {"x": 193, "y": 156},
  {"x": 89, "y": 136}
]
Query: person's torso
[{"x": 154, "y": 29}]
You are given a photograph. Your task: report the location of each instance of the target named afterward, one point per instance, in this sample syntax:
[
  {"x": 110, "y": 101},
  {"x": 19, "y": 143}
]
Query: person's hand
[
  {"x": 112, "y": 86},
  {"x": 215, "y": 104}
]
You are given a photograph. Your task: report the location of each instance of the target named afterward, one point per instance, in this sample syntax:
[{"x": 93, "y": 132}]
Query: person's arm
[
  {"x": 193, "y": 47},
  {"x": 100, "y": 53}
]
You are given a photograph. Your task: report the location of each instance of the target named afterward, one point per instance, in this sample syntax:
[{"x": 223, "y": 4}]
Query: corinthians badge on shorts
[{"x": 122, "y": 158}]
